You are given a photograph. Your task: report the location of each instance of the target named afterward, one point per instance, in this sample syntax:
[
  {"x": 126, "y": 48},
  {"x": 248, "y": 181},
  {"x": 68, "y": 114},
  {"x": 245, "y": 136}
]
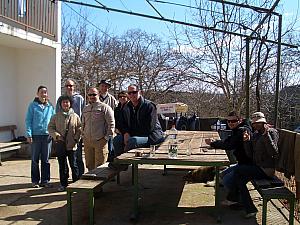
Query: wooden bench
[
  {"x": 91, "y": 183},
  {"x": 274, "y": 189},
  {"x": 13, "y": 145}
]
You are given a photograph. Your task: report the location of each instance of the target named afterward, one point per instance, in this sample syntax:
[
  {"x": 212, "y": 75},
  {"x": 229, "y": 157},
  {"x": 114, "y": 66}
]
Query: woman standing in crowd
[{"x": 66, "y": 126}]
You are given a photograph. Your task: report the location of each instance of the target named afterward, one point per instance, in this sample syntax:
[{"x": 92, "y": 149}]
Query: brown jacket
[{"x": 58, "y": 124}]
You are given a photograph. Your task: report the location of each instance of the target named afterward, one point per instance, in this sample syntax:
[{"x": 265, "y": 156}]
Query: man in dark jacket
[
  {"x": 139, "y": 125},
  {"x": 234, "y": 143}
]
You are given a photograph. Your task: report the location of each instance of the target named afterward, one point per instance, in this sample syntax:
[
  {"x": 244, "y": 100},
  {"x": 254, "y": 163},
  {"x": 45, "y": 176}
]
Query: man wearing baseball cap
[{"x": 262, "y": 148}]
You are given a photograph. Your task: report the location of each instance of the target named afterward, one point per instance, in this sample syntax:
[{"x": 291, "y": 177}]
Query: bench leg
[
  {"x": 135, "y": 215},
  {"x": 264, "y": 211},
  {"x": 292, "y": 208},
  {"x": 165, "y": 170},
  {"x": 69, "y": 207},
  {"x": 91, "y": 207}
]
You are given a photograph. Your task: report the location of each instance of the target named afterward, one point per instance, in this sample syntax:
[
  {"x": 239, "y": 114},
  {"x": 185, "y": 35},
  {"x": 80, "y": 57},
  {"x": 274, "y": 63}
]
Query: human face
[
  {"x": 43, "y": 94},
  {"x": 70, "y": 87},
  {"x": 103, "y": 88},
  {"x": 65, "y": 105},
  {"x": 258, "y": 126},
  {"x": 123, "y": 99},
  {"x": 133, "y": 94},
  {"x": 93, "y": 95},
  {"x": 233, "y": 121}
]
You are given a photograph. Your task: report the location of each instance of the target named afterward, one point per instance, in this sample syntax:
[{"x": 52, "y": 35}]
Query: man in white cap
[{"x": 262, "y": 148}]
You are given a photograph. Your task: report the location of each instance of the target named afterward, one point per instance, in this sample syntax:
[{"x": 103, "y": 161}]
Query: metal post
[
  {"x": 278, "y": 71},
  {"x": 247, "y": 83}
]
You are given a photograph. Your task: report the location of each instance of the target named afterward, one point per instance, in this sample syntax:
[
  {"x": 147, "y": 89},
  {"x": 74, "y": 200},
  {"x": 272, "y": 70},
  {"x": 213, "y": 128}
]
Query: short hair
[
  {"x": 134, "y": 85},
  {"x": 122, "y": 93},
  {"x": 41, "y": 87},
  {"x": 66, "y": 97},
  {"x": 234, "y": 113},
  {"x": 71, "y": 79}
]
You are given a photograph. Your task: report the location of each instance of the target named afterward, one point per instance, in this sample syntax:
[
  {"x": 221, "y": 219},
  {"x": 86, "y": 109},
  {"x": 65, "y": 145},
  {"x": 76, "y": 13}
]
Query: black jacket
[
  {"x": 142, "y": 121},
  {"x": 235, "y": 143}
]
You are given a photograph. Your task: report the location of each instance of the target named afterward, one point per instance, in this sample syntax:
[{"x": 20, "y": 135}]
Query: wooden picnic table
[{"x": 201, "y": 155}]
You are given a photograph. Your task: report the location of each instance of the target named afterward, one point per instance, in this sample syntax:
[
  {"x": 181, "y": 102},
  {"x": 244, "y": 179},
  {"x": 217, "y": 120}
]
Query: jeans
[
  {"x": 111, "y": 153},
  {"x": 79, "y": 160},
  {"x": 40, "y": 149},
  {"x": 227, "y": 176},
  {"x": 63, "y": 168},
  {"x": 242, "y": 174},
  {"x": 133, "y": 142}
]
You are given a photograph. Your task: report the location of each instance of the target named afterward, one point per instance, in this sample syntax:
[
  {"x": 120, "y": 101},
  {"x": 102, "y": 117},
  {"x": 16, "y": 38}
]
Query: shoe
[
  {"x": 228, "y": 203},
  {"x": 61, "y": 188},
  {"x": 46, "y": 185},
  {"x": 113, "y": 166},
  {"x": 212, "y": 184},
  {"x": 35, "y": 185},
  {"x": 250, "y": 215}
]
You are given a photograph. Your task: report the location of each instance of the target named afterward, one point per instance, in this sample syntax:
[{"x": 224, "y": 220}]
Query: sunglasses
[
  {"x": 132, "y": 92},
  {"x": 92, "y": 94},
  {"x": 232, "y": 121},
  {"x": 69, "y": 85},
  {"x": 122, "y": 96}
]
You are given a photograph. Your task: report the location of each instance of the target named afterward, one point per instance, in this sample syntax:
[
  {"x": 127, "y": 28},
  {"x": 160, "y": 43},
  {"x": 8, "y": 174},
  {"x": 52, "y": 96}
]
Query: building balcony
[{"x": 36, "y": 16}]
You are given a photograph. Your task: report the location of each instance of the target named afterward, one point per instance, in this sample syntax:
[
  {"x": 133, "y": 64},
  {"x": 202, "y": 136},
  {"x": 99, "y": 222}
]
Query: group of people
[
  {"x": 256, "y": 151},
  {"x": 107, "y": 127}
]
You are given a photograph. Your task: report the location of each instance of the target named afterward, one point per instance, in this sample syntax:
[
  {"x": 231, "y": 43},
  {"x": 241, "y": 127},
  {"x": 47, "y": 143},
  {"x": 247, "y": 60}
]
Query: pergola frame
[{"x": 248, "y": 38}]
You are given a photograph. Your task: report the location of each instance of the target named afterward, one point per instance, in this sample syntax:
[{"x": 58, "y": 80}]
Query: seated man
[
  {"x": 262, "y": 147},
  {"x": 233, "y": 143},
  {"x": 139, "y": 126}
]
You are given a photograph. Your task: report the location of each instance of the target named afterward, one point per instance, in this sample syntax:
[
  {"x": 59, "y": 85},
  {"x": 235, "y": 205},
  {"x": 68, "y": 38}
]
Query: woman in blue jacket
[{"x": 38, "y": 117}]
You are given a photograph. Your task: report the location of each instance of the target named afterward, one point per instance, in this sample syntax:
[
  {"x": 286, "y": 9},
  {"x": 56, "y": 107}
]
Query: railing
[{"x": 37, "y": 16}]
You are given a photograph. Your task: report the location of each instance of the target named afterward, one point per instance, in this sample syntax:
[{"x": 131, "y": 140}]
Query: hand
[
  {"x": 246, "y": 136},
  {"x": 266, "y": 127},
  {"x": 29, "y": 140},
  {"x": 208, "y": 141}
]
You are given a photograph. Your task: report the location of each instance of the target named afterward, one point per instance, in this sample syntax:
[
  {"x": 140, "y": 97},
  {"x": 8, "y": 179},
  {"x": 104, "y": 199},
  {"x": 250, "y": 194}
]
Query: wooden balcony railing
[{"x": 37, "y": 16}]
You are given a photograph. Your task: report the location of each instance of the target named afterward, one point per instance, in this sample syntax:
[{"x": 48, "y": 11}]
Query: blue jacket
[{"x": 38, "y": 117}]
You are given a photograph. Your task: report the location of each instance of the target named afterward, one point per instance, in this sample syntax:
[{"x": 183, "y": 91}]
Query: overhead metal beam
[{"x": 172, "y": 21}]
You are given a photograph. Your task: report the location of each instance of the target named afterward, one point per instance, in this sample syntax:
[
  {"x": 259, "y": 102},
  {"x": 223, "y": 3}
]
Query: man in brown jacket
[{"x": 98, "y": 124}]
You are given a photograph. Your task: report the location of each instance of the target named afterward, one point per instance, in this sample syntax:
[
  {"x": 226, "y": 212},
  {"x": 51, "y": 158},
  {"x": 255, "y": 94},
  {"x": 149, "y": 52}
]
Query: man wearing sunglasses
[
  {"x": 98, "y": 125},
  {"x": 78, "y": 104},
  {"x": 139, "y": 126},
  {"x": 263, "y": 148},
  {"x": 234, "y": 143}
]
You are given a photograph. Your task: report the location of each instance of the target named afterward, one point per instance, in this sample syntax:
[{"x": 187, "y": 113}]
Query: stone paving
[{"x": 165, "y": 200}]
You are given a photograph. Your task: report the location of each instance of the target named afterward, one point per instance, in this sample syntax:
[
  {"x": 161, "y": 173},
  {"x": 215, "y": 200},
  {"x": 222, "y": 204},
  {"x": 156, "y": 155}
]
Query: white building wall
[{"x": 27, "y": 60}]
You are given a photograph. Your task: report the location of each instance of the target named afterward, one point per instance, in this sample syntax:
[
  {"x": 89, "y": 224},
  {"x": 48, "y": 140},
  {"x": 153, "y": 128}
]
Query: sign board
[{"x": 177, "y": 107}]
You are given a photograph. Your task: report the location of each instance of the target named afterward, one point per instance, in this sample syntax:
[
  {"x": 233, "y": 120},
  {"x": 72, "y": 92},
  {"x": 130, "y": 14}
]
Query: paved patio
[{"x": 164, "y": 200}]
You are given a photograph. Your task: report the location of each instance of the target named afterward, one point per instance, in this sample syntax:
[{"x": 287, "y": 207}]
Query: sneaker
[
  {"x": 46, "y": 185},
  {"x": 35, "y": 185},
  {"x": 250, "y": 215},
  {"x": 228, "y": 203},
  {"x": 61, "y": 188}
]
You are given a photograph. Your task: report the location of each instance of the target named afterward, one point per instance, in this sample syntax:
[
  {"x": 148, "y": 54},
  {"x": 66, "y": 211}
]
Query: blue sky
[{"x": 118, "y": 23}]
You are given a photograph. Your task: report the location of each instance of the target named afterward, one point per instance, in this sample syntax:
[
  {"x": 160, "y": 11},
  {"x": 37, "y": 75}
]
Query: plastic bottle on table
[{"x": 173, "y": 147}]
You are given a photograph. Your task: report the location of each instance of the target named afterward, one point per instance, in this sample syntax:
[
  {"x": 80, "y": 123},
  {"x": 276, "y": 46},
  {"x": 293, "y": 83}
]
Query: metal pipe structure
[{"x": 278, "y": 71}]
